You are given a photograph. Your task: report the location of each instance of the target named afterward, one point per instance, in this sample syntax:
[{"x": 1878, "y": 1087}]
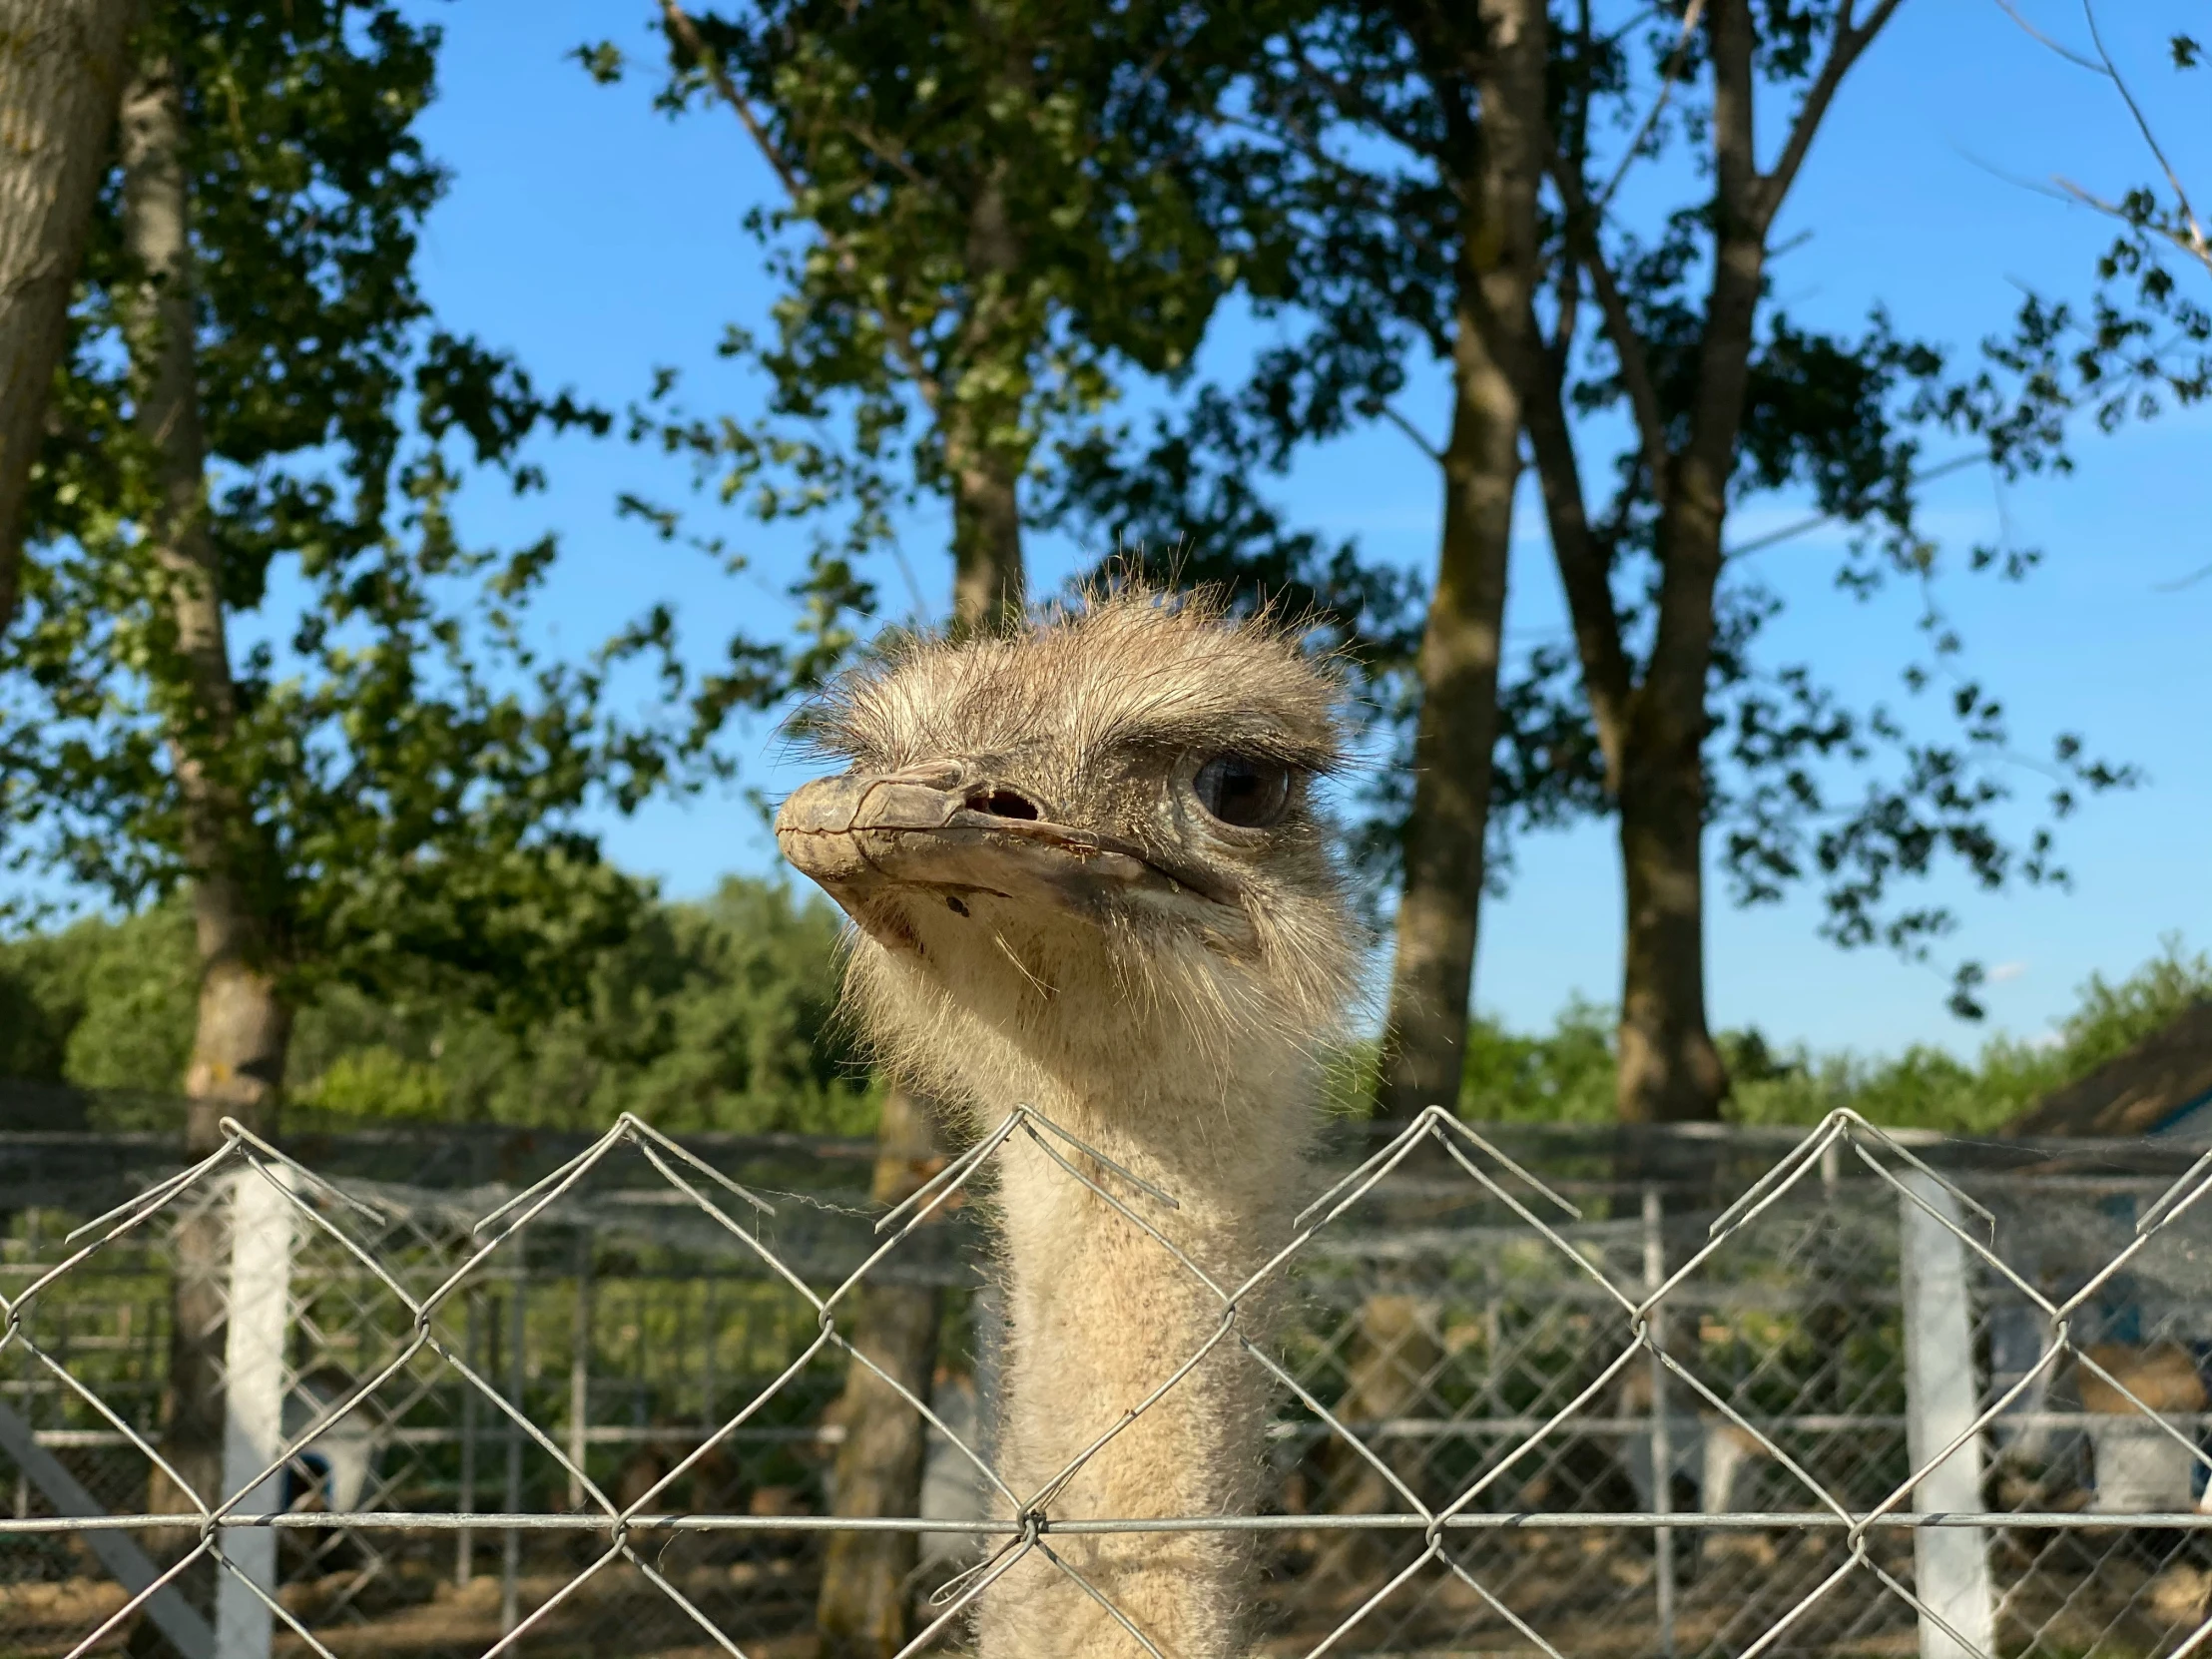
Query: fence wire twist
[{"x": 1474, "y": 1373}]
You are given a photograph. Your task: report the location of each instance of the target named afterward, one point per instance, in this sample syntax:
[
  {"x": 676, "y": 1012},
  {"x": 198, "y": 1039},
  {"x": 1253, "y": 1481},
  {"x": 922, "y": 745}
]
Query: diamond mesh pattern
[{"x": 1571, "y": 1395}]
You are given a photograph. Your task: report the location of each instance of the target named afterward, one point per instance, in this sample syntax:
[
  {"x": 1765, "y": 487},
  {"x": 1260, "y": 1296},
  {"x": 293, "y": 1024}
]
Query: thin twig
[
  {"x": 2012, "y": 10},
  {"x": 896, "y": 330},
  {"x": 2196, "y": 239},
  {"x": 1658, "y": 105},
  {"x": 1413, "y": 433},
  {"x": 1620, "y": 328},
  {"x": 2189, "y": 233},
  {"x": 1803, "y": 526}
]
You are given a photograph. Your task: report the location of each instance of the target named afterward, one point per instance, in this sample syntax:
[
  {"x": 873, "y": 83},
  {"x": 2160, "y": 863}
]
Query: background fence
[{"x": 1547, "y": 1390}]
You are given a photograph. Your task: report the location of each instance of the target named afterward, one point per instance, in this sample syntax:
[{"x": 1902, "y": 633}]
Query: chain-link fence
[{"x": 1571, "y": 1393}]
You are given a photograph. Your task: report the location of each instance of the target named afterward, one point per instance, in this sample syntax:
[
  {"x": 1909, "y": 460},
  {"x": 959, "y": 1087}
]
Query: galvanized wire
[{"x": 1424, "y": 1528}]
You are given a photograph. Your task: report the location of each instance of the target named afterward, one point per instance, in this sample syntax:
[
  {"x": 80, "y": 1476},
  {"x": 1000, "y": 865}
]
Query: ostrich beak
[{"x": 864, "y": 836}]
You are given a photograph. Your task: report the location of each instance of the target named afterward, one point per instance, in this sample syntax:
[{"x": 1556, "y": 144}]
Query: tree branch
[
  {"x": 896, "y": 330},
  {"x": 881, "y": 148},
  {"x": 1302, "y": 142},
  {"x": 1620, "y": 328},
  {"x": 2185, "y": 233},
  {"x": 1573, "y": 155},
  {"x": 1569, "y": 316},
  {"x": 1844, "y": 48},
  {"x": 1804, "y": 526},
  {"x": 1352, "y": 100},
  {"x": 687, "y": 31},
  {"x": 1413, "y": 433},
  {"x": 1658, "y": 104},
  {"x": 2194, "y": 240},
  {"x": 1582, "y": 556}
]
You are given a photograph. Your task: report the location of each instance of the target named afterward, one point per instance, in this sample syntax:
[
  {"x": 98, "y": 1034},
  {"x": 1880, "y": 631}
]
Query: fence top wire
[
  {"x": 64, "y": 1138},
  {"x": 444, "y": 1176}
]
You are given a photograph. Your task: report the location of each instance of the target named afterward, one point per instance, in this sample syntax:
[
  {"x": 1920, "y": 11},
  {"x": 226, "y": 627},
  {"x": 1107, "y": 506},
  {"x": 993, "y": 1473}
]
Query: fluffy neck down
[{"x": 1101, "y": 1315}]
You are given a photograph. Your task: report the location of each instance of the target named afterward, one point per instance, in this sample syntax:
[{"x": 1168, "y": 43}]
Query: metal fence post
[
  {"x": 711, "y": 1329},
  {"x": 510, "y": 1542},
  {"x": 579, "y": 1369},
  {"x": 261, "y": 1227},
  {"x": 1662, "y": 1439},
  {"x": 464, "y": 1541},
  {"x": 1951, "y": 1564},
  {"x": 988, "y": 1312}
]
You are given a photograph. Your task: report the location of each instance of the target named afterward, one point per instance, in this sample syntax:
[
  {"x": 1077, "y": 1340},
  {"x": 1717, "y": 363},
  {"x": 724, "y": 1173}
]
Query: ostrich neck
[{"x": 1101, "y": 1315}]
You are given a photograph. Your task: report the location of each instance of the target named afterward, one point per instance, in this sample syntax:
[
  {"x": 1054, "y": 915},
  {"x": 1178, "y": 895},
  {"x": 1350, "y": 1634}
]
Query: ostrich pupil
[{"x": 1243, "y": 792}]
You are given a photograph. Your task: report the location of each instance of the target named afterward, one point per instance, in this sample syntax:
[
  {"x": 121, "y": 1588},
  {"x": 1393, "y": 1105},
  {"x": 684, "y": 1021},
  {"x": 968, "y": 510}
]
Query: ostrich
[{"x": 1088, "y": 876}]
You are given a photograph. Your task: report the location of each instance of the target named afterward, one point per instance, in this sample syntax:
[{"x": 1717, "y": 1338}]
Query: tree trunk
[
  {"x": 1426, "y": 1034},
  {"x": 1670, "y": 1070},
  {"x": 987, "y": 583},
  {"x": 238, "y": 1044},
  {"x": 1393, "y": 1351},
  {"x": 1425, "y": 1037},
  {"x": 62, "y": 66},
  {"x": 1391, "y": 1373},
  {"x": 980, "y": 422},
  {"x": 1652, "y": 729},
  {"x": 862, "y": 1611},
  {"x": 244, "y": 1026}
]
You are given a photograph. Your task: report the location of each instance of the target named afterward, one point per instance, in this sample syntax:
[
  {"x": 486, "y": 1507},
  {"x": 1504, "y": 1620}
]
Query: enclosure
[{"x": 486, "y": 1389}]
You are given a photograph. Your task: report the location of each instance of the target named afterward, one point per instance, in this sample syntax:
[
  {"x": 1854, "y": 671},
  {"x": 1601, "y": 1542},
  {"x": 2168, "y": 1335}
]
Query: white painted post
[
  {"x": 579, "y": 1372},
  {"x": 518, "y": 1377},
  {"x": 1662, "y": 1442},
  {"x": 708, "y": 1421},
  {"x": 464, "y": 1541},
  {"x": 262, "y": 1230},
  {"x": 1951, "y": 1564}
]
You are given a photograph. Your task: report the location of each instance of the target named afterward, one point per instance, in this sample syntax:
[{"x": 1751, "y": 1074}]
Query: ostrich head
[{"x": 1085, "y": 861}]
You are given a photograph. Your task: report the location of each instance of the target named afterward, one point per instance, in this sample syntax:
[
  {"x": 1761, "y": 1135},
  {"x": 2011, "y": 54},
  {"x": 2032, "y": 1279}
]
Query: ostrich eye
[{"x": 1243, "y": 792}]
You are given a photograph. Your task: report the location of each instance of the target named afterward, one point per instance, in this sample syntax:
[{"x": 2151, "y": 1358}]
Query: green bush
[
  {"x": 103, "y": 1005},
  {"x": 1566, "y": 1075},
  {"x": 721, "y": 1014},
  {"x": 712, "y": 1016}
]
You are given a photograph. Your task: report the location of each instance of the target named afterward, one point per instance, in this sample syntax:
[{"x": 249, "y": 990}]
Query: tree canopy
[
  {"x": 261, "y": 671},
  {"x": 405, "y": 765}
]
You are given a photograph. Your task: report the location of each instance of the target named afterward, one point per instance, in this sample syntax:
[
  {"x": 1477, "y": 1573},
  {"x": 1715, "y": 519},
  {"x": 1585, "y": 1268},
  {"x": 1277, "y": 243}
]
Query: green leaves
[
  {"x": 602, "y": 60},
  {"x": 710, "y": 1015},
  {"x": 989, "y": 215},
  {"x": 2143, "y": 340},
  {"x": 413, "y": 769},
  {"x": 1565, "y": 1074},
  {"x": 1361, "y": 122}
]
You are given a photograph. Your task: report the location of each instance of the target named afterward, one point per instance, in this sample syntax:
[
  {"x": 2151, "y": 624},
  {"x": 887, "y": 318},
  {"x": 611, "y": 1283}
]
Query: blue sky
[{"x": 597, "y": 239}]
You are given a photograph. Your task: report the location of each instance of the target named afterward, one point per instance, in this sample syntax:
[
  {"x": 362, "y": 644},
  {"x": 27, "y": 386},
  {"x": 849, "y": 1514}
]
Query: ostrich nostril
[{"x": 1001, "y": 801}]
